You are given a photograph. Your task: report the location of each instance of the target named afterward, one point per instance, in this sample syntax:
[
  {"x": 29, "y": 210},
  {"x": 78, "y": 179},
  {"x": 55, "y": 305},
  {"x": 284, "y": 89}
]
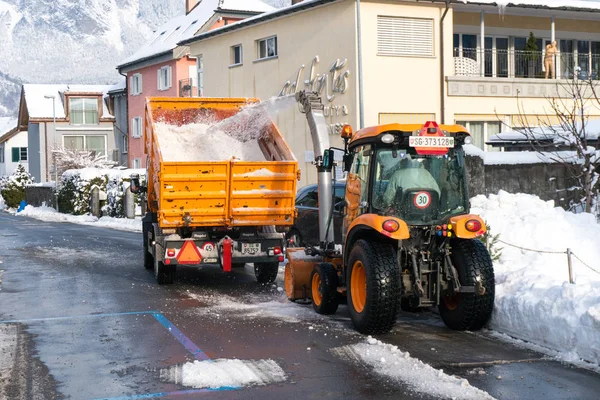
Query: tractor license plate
[
  {"x": 431, "y": 141},
  {"x": 250, "y": 248}
]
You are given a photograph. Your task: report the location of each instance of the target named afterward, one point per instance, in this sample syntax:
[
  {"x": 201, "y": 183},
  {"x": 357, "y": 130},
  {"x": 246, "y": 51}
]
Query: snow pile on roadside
[
  {"x": 534, "y": 300},
  {"x": 389, "y": 361},
  {"x": 224, "y": 373},
  {"x": 2, "y": 203},
  {"x": 51, "y": 215}
]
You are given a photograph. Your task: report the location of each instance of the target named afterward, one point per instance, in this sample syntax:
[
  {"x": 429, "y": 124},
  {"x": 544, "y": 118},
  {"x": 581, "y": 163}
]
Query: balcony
[
  {"x": 511, "y": 73},
  {"x": 523, "y": 64},
  {"x": 188, "y": 88}
]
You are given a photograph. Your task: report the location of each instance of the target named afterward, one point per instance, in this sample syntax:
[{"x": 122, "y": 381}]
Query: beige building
[{"x": 468, "y": 63}]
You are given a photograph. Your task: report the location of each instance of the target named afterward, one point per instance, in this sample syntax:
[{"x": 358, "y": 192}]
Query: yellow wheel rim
[
  {"x": 358, "y": 285},
  {"x": 316, "y": 283}
]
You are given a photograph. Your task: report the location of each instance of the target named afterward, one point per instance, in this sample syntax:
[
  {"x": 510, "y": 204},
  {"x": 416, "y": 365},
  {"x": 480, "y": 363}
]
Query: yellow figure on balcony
[{"x": 549, "y": 59}]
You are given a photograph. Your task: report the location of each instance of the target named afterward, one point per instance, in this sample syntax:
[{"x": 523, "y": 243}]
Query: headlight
[{"x": 387, "y": 138}]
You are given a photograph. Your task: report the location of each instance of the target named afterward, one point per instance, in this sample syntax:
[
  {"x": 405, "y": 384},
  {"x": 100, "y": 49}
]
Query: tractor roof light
[
  {"x": 388, "y": 138},
  {"x": 346, "y": 132},
  {"x": 390, "y": 226},
  {"x": 473, "y": 225}
]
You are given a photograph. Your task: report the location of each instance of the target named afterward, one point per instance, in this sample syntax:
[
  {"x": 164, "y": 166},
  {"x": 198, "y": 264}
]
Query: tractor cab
[{"x": 413, "y": 173}]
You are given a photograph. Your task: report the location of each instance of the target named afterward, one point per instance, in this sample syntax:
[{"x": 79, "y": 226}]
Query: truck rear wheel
[
  {"x": 266, "y": 272},
  {"x": 148, "y": 258},
  {"x": 373, "y": 287},
  {"x": 323, "y": 287},
  {"x": 165, "y": 274},
  {"x": 469, "y": 311}
]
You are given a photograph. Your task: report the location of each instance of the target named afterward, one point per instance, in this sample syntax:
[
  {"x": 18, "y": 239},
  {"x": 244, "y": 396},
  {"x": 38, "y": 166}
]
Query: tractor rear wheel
[
  {"x": 266, "y": 272},
  {"x": 323, "y": 288},
  {"x": 469, "y": 311},
  {"x": 373, "y": 287}
]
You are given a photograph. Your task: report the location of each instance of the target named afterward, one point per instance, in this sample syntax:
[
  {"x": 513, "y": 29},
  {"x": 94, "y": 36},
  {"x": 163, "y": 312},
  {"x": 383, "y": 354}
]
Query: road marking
[{"x": 184, "y": 340}]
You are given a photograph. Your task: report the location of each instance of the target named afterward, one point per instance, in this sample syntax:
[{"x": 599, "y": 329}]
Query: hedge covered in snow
[
  {"x": 76, "y": 186},
  {"x": 12, "y": 189}
]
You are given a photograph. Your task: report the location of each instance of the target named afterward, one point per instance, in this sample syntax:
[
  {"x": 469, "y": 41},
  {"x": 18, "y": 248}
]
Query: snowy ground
[{"x": 535, "y": 306}]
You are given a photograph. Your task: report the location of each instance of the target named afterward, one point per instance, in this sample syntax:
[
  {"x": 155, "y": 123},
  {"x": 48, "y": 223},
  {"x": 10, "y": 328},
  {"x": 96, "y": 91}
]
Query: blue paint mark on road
[
  {"x": 166, "y": 394},
  {"x": 25, "y": 321},
  {"x": 184, "y": 340}
]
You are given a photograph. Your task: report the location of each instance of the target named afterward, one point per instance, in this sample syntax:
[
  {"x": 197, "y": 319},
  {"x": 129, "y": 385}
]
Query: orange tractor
[{"x": 408, "y": 239}]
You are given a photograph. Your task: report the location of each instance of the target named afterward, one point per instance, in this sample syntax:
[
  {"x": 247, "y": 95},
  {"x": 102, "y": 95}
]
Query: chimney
[
  {"x": 296, "y": 1},
  {"x": 189, "y": 4}
]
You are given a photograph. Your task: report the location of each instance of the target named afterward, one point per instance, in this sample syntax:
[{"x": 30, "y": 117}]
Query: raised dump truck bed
[{"x": 217, "y": 187}]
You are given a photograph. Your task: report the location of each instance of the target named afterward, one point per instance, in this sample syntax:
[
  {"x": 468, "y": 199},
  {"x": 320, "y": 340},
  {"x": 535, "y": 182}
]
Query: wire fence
[{"x": 568, "y": 252}]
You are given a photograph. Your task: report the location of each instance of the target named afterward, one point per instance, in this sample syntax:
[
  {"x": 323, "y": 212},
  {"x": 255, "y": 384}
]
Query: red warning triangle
[{"x": 189, "y": 254}]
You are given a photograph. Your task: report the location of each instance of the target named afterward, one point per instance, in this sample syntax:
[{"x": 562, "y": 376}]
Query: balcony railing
[
  {"x": 188, "y": 87},
  {"x": 524, "y": 64}
]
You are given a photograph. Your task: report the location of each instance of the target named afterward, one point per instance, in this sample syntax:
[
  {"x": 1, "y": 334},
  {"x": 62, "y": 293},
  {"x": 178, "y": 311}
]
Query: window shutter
[
  {"x": 402, "y": 36},
  {"x": 158, "y": 80},
  {"x": 169, "y": 77},
  {"x": 16, "y": 154},
  {"x": 131, "y": 85}
]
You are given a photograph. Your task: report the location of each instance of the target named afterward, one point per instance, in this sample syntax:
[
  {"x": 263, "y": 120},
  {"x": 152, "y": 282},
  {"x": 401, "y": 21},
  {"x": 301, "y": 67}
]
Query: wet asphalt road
[{"x": 80, "y": 318}]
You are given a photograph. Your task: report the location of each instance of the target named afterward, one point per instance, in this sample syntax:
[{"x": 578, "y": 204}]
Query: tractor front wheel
[
  {"x": 323, "y": 288},
  {"x": 469, "y": 311},
  {"x": 373, "y": 287}
]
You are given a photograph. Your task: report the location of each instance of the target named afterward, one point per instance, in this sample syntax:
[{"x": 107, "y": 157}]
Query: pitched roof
[
  {"x": 573, "y": 5},
  {"x": 166, "y": 37},
  {"x": 38, "y": 106},
  {"x": 8, "y": 128}
]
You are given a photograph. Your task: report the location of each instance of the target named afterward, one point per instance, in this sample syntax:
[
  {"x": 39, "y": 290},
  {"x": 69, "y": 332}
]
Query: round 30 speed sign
[{"x": 422, "y": 200}]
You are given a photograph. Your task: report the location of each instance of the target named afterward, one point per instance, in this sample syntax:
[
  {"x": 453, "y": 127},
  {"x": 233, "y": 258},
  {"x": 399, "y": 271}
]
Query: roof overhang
[{"x": 145, "y": 62}]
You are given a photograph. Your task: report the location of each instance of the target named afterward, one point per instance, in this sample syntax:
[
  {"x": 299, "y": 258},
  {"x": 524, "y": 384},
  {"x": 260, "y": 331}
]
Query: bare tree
[
  {"x": 563, "y": 135},
  {"x": 76, "y": 159}
]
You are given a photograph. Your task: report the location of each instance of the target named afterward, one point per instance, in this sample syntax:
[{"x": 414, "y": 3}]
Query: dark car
[{"x": 305, "y": 231}]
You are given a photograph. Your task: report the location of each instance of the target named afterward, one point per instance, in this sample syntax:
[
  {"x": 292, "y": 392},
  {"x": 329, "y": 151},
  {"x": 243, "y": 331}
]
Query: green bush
[
  {"x": 13, "y": 191},
  {"x": 491, "y": 242},
  {"x": 74, "y": 192}
]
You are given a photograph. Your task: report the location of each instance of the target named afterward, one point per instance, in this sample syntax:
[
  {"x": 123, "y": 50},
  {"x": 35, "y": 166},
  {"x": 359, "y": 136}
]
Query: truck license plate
[
  {"x": 431, "y": 141},
  {"x": 250, "y": 248}
]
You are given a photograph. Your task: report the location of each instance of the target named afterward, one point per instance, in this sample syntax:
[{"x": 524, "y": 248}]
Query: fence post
[
  {"x": 95, "y": 200},
  {"x": 569, "y": 262},
  {"x": 129, "y": 203}
]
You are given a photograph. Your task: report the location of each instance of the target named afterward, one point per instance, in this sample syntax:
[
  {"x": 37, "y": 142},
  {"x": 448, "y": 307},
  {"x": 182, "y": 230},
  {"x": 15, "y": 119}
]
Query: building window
[
  {"x": 236, "y": 55},
  {"x": 137, "y": 163},
  {"x": 125, "y": 144},
  {"x": 200, "y": 69},
  {"x": 482, "y": 131},
  {"x": 267, "y": 47},
  {"x": 164, "y": 78},
  {"x": 402, "y": 36},
  {"x": 136, "y": 84},
  {"x": 83, "y": 111},
  {"x": 96, "y": 144},
  {"x": 136, "y": 127},
  {"x": 2, "y": 154},
  {"x": 19, "y": 154}
]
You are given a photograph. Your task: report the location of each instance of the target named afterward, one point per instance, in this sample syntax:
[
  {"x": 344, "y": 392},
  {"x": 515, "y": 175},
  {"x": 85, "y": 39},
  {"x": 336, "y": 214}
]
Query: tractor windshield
[{"x": 420, "y": 189}]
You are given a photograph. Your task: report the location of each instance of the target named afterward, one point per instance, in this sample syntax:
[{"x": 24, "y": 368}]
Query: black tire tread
[
  {"x": 382, "y": 305},
  {"x": 329, "y": 285},
  {"x": 266, "y": 272},
  {"x": 471, "y": 258}
]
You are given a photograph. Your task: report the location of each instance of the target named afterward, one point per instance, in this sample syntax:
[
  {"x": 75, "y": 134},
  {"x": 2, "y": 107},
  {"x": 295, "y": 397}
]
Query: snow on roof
[
  {"x": 570, "y": 4},
  {"x": 7, "y": 124},
  {"x": 39, "y": 106},
  {"x": 183, "y": 27},
  {"x": 555, "y": 133}
]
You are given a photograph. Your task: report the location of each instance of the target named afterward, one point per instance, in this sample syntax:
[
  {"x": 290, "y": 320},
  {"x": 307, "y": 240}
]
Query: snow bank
[
  {"x": 389, "y": 361},
  {"x": 2, "y": 203},
  {"x": 534, "y": 300},
  {"x": 225, "y": 373},
  {"x": 520, "y": 157},
  {"x": 196, "y": 142},
  {"x": 51, "y": 215}
]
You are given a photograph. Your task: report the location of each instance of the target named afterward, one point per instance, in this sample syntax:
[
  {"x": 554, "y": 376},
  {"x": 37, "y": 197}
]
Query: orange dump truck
[{"x": 214, "y": 196}]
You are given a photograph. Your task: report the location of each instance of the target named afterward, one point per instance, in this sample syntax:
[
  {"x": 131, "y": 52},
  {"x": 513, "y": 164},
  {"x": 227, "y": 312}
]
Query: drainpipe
[
  {"x": 46, "y": 152},
  {"x": 361, "y": 109},
  {"x": 442, "y": 74},
  {"x": 482, "y": 44}
]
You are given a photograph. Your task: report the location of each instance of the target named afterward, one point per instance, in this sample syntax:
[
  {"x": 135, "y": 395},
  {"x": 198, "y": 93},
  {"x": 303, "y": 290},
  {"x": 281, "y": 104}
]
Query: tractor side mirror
[
  {"x": 328, "y": 159},
  {"x": 135, "y": 184}
]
